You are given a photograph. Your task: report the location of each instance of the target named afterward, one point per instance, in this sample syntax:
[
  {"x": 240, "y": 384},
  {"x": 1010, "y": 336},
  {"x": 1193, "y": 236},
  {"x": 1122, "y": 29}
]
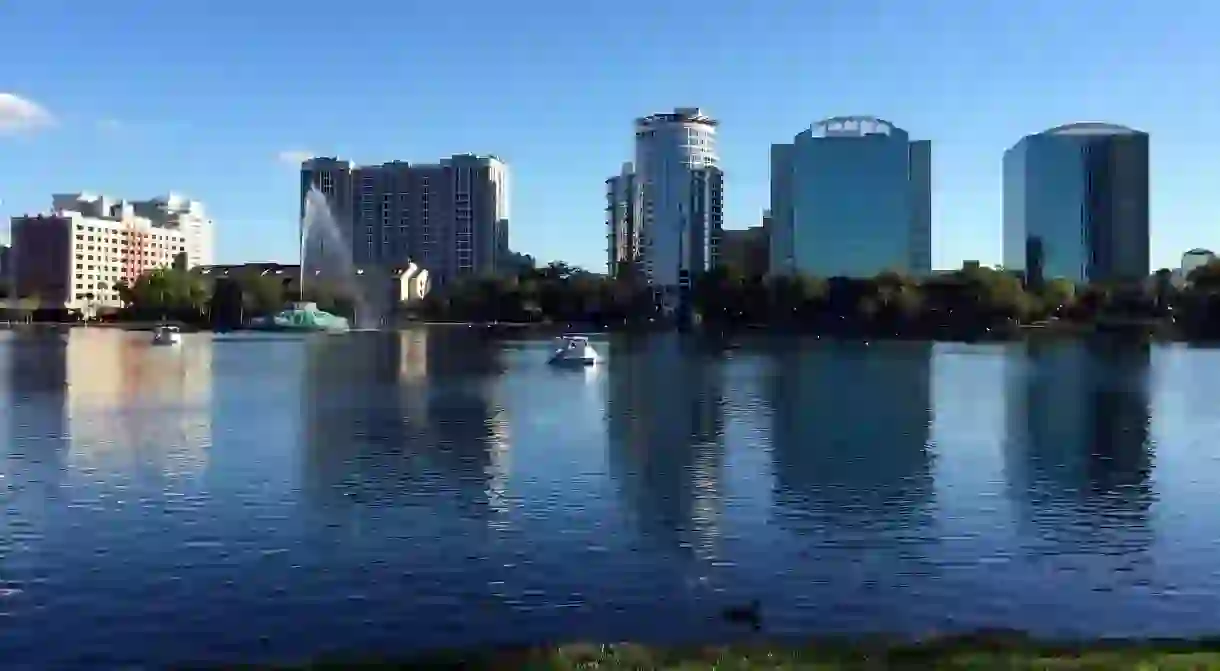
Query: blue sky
[{"x": 206, "y": 98}]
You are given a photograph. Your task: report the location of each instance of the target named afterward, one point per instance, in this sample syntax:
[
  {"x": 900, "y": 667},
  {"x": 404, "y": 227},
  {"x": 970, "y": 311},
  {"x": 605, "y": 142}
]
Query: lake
[{"x": 275, "y": 497}]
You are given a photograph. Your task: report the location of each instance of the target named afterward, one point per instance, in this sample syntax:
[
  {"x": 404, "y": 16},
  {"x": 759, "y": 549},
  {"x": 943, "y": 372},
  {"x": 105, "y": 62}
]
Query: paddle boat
[
  {"x": 571, "y": 350},
  {"x": 164, "y": 334}
]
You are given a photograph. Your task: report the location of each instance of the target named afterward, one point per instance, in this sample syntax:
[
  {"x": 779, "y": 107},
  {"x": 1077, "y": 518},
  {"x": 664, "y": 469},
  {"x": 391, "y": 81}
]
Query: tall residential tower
[
  {"x": 623, "y": 201},
  {"x": 676, "y": 166},
  {"x": 851, "y": 197},
  {"x": 450, "y": 217},
  {"x": 1076, "y": 204}
]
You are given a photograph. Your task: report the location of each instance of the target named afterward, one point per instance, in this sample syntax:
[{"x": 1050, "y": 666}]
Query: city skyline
[
  {"x": 139, "y": 114},
  {"x": 856, "y": 176}
]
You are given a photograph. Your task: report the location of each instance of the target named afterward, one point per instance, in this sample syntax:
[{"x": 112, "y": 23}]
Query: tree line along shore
[{"x": 973, "y": 302}]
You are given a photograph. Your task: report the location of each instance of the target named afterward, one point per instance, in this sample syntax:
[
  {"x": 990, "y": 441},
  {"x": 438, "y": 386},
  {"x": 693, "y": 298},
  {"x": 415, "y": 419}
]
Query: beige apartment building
[{"x": 73, "y": 256}]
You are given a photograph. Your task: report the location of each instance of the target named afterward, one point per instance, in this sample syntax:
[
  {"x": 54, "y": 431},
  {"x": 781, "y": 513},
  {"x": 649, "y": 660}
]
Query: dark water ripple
[{"x": 246, "y": 498}]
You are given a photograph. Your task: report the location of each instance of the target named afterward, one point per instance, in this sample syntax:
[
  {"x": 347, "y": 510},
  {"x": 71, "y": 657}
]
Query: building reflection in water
[
  {"x": 35, "y": 413},
  {"x": 133, "y": 408},
  {"x": 850, "y": 427},
  {"x": 1079, "y": 455},
  {"x": 405, "y": 416},
  {"x": 665, "y": 418},
  {"x": 468, "y": 425}
]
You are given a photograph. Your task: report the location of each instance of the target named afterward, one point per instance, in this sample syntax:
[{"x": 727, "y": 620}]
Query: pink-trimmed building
[{"x": 73, "y": 257}]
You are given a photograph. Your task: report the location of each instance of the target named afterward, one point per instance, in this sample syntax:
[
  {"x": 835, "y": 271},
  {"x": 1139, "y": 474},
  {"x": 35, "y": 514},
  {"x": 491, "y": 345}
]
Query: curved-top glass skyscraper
[
  {"x": 851, "y": 197},
  {"x": 677, "y": 170},
  {"x": 1076, "y": 204}
]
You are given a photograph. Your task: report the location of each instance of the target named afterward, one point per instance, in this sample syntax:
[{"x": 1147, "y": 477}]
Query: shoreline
[
  {"x": 1000, "y": 649},
  {"x": 1154, "y": 332}
]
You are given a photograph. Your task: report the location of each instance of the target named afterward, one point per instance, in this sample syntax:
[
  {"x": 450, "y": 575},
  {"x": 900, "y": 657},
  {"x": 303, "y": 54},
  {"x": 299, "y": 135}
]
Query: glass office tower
[
  {"x": 851, "y": 197},
  {"x": 1076, "y": 204}
]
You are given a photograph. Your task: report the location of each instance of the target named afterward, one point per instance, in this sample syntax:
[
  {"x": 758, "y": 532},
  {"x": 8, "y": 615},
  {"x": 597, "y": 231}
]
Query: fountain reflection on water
[{"x": 326, "y": 254}]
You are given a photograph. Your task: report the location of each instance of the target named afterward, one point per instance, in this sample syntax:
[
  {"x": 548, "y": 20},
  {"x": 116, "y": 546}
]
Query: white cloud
[
  {"x": 294, "y": 157},
  {"x": 21, "y": 115}
]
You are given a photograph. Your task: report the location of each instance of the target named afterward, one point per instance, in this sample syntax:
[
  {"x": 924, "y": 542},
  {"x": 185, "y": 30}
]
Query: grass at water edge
[{"x": 990, "y": 651}]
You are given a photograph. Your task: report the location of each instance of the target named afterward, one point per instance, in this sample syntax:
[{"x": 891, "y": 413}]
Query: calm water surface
[{"x": 262, "y": 497}]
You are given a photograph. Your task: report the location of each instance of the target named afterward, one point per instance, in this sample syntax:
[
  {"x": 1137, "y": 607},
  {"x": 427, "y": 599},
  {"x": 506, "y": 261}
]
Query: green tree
[
  {"x": 1057, "y": 293},
  {"x": 124, "y": 291},
  {"x": 559, "y": 270},
  {"x": 1206, "y": 277},
  {"x": 262, "y": 294},
  {"x": 27, "y": 305},
  {"x": 163, "y": 293},
  {"x": 972, "y": 300}
]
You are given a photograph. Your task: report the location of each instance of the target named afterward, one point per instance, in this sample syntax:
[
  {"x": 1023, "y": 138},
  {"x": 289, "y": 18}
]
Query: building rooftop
[
  {"x": 1090, "y": 128},
  {"x": 326, "y": 160},
  {"x": 853, "y": 126},
  {"x": 679, "y": 115},
  {"x": 331, "y": 161}
]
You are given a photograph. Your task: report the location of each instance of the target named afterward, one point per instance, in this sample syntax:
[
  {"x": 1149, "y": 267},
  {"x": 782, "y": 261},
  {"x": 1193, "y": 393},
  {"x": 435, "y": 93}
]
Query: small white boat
[
  {"x": 574, "y": 351},
  {"x": 166, "y": 335}
]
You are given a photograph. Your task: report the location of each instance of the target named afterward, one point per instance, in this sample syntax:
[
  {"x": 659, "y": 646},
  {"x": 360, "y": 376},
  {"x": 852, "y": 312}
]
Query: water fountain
[{"x": 324, "y": 254}]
